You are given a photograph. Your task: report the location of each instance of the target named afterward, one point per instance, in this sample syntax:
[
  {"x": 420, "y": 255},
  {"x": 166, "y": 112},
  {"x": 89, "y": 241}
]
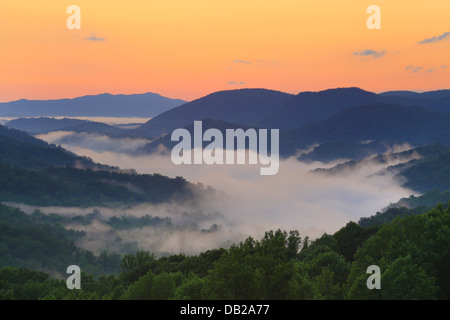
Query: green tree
[
  {"x": 405, "y": 280},
  {"x": 191, "y": 288},
  {"x": 141, "y": 289}
]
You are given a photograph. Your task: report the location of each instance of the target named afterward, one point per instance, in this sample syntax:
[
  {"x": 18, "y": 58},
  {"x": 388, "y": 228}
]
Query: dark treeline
[
  {"x": 36, "y": 173},
  {"x": 83, "y": 188}
]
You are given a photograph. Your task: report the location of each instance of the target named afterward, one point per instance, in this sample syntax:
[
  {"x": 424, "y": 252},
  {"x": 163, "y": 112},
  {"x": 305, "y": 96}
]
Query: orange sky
[{"x": 188, "y": 48}]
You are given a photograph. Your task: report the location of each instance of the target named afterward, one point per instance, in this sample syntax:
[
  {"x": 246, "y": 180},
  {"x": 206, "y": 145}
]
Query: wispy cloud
[
  {"x": 242, "y": 61},
  {"x": 414, "y": 69},
  {"x": 268, "y": 63},
  {"x": 234, "y": 83},
  {"x": 93, "y": 37},
  {"x": 373, "y": 53},
  {"x": 442, "y": 37}
]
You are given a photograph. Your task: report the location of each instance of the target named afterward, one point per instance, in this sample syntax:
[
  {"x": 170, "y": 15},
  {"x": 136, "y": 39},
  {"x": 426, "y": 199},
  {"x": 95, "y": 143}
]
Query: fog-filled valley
[
  {"x": 105, "y": 193},
  {"x": 295, "y": 198}
]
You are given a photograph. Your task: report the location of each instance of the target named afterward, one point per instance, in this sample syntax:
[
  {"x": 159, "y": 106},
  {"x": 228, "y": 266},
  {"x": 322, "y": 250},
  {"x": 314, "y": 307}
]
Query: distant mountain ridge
[
  {"x": 245, "y": 106},
  {"x": 308, "y": 107},
  {"x": 145, "y": 105},
  {"x": 377, "y": 122},
  {"x": 438, "y": 100},
  {"x": 380, "y": 125},
  {"x": 343, "y": 119},
  {"x": 273, "y": 109}
]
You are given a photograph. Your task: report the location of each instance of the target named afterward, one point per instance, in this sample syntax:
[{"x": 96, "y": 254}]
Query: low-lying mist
[
  {"x": 294, "y": 198},
  {"x": 92, "y": 141}
]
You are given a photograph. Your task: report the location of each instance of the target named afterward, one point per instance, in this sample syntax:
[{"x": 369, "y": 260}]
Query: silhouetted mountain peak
[
  {"x": 102, "y": 105},
  {"x": 307, "y": 107},
  {"x": 243, "y": 106}
]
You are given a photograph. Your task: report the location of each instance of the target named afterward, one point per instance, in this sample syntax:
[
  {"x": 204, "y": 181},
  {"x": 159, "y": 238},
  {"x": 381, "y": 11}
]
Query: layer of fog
[
  {"x": 295, "y": 198},
  {"x": 190, "y": 231},
  {"x": 92, "y": 141}
]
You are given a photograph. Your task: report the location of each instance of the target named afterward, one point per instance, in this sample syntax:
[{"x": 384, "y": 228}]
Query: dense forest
[
  {"x": 40, "y": 242},
  {"x": 82, "y": 188},
  {"x": 36, "y": 173},
  {"x": 413, "y": 253}
]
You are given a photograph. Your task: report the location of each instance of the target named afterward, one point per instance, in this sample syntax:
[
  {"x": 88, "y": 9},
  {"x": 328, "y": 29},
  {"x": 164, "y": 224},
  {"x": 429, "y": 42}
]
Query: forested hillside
[
  {"x": 36, "y": 242},
  {"x": 19, "y": 149},
  {"x": 427, "y": 170},
  {"x": 412, "y": 253},
  {"x": 34, "y": 172},
  {"x": 85, "y": 187}
]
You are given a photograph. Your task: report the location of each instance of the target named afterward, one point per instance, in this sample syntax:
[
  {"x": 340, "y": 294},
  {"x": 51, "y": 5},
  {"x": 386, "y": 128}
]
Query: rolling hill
[
  {"x": 438, "y": 100},
  {"x": 42, "y": 125},
  {"x": 352, "y": 133},
  {"x": 19, "y": 149},
  {"x": 34, "y": 172},
  {"x": 246, "y": 107},
  {"x": 373, "y": 122},
  {"x": 272, "y": 109},
  {"x": 308, "y": 107}
]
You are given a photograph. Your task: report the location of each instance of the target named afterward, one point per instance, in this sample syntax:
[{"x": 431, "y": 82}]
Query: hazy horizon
[{"x": 200, "y": 96}]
